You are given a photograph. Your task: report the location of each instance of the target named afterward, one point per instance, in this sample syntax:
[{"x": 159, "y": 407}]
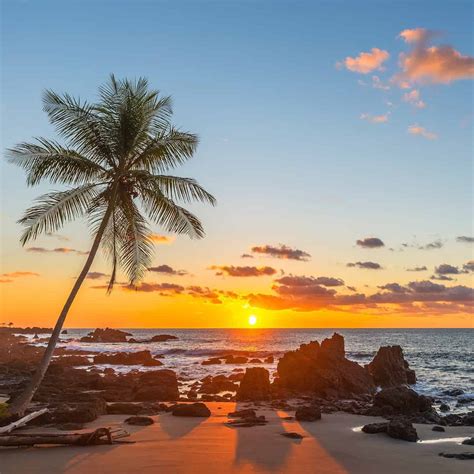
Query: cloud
[
  {"x": 283, "y": 252},
  {"x": 366, "y": 62},
  {"x": 417, "y": 269},
  {"x": 469, "y": 266},
  {"x": 418, "y": 130},
  {"x": 236, "y": 271},
  {"x": 96, "y": 275},
  {"x": 437, "y": 244},
  {"x": 413, "y": 98},
  {"x": 58, "y": 236},
  {"x": 375, "y": 118},
  {"x": 161, "y": 239},
  {"x": 56, "y": 250},
  {"x": 446, "y": 269},
  {"x": 246, "y": 255},
  {"x": 167, "y": 270},
  {"x": 465, "y": 239},
  {"x": 431, "y": 64},
  {"x": 366, "y": 265},
  {"x": 309, "y": 281},
  {"x": 370, "y": 242},
  {"x": 165, "y": 289},
  {"x": 19, "y": 274},
  {"x": 378, "y": 84}
]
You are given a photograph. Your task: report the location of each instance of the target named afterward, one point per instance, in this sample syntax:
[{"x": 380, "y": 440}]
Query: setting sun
[{"x": 252, "y": 320}]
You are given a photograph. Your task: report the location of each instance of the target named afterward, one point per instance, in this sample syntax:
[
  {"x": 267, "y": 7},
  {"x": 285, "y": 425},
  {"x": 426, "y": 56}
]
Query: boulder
[
  {"x": 461, "y": 456},
  {"x": 192, "y": 410},
  {"x": 269, "y": 360},
  {"x": 311, "y": 413},
  {"x": 402, "y": 400},
  {"x": 106, "y": 335},
  {"x": 163, "y": 338},
  {"x": 323, "y": 370},
  {"x": 216, "y": 384},
  {"x": 292, "y": 435},
  {"x": 469, "y": 441},
  {"x": 246, "y": 413},
  {"x": 255, "y": 385},
  {"x": 71, "y": 360},
  {"x": 235, "y": 359},
  {"x": 255, "y": 361},
  {"x": 159, "y": 385},
  {"x": 211, "y": 361},
  {"x": 373, "y": 428},
  {"x": 402, "y": 429},
  {"x": 444, "y": 407},
  {"x": 128, "y": 358},
  {"x": 389, "y": 368},
  {"x": 139, "y": 421}
]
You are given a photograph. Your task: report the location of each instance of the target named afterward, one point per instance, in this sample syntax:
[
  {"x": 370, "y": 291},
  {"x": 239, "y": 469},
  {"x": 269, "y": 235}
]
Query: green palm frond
[
  {"x": 53, "y": 210},
  {"x": 47, "y": 159}
]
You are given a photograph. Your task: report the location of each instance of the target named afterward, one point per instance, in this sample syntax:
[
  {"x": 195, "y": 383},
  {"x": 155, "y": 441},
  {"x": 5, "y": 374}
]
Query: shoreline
[{"x": 332, "y": 445}]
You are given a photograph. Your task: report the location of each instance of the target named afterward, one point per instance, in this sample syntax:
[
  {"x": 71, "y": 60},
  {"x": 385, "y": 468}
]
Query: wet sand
[{"x": 332, "y": 445}]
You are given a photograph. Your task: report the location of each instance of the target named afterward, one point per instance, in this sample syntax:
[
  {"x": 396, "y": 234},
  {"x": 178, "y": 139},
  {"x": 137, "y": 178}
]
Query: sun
[{"x": 252, "y": 320}]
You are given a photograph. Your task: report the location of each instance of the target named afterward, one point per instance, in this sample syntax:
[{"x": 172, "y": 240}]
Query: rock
[
  {"x": 469, "y": 441},
  {"x": 72, "y": 360},
  {"x": 64, "y": 331},
  {"x": 389, "y": 368},
  {"x": 292, "y": 435},
  {"x": 461, "y": 456},
  {"x": 373, "y": 428},
  {"x": 124, "y": 408},
  {"x": 444, "y": 407},
  {"x": 106, "y": 335},
  {"x": 323, "y": 370},
  {"x": 211, "y": 361},
  {"x": 255, "y": 361},
  {"x": 216, "y": 384},
  {"x": 248, "y": 421},
  {"x": 455, "y": 392},
  {"x": 235, "y": 360},
  {"x": 192, "y": 409},
  {"x": 402, "y": 400},
  {"x": 255, "y": 385},
  {"x": 158, "y": 385},
  {"x": 163, "y": 338},
  {"x": 438, "y": 428},
  {"x": 269, "y": 360},
  {"x": 468, "y": 420},
  {"x": 128, "y": 358},
  {"x": 192, "y": 395},
  {"x": 139, "y": 421},
  {"x": 402, "y": 429},
  {"x": 70, "y": 426},
  {"x": 247, "y": 413},
  {"x": 311, "y": 413}
]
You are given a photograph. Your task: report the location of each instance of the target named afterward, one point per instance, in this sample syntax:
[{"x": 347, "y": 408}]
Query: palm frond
[
  {"x": 52, "y": 210},
  {"x": 47, "y": 159}
]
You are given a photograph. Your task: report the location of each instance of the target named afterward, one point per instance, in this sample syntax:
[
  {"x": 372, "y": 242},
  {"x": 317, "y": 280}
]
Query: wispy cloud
[
  {"x": 56, "y": 250},
  {"x": 167, "y": 270},
  {"x": 282, "y": 251},
  {"x": 465, "y": 239},
  {"x": 417, "y": 269},
  {"x": 366, "y": 265},
  {"x": 96, "y": 275},
  {"x": 11, "y": 276},
  {"x": 247, "y": 271},
  {"x": 413, "y": 98},
  {"x": 365, "y": 62},
  {"x": 419, "y": 130},
  {"x": 161, "y": 239},
  {"x": 375, "y": 118}
]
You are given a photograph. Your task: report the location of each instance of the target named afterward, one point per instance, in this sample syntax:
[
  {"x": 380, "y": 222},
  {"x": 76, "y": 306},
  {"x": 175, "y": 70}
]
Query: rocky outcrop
[
  {"x": 128, "y": 358},
  {"x": 163, "y": 338},
  {"x": 255, "y": 385},
  {"x": 198, "y": 409},
  {"x": 219, "y": 383},
  {"x": 401, "y": 400},
  {"x": 323, "y": 370},
  {"x": 159, "y": 385},
  {"x": 311, "y": 413},
  {"x": 373, "y": 428},
  {"x": 402, "y": 429},
  {"x": 106, "y": 335},
  {"x": 389, "y": 368}
]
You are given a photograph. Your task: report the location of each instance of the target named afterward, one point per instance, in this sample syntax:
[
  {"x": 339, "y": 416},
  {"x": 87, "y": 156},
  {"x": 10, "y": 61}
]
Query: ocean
[{"x": 442, "y": 358}]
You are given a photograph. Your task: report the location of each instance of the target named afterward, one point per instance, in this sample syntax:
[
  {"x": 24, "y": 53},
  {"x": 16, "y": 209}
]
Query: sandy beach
[{"x": 332, "y": 445}]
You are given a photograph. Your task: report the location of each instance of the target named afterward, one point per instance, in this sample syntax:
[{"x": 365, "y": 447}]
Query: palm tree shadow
[
  {"x": 176, "y": 426},
  {"x": 249, "y": 447}
]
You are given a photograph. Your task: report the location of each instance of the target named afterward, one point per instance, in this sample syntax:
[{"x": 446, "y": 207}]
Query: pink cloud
[
  {"x": 367, "y": 62},
  {"x": 418, "y": 130},
  {"x": 413, "y": 98},
  {"x": 375, "y": 118}
]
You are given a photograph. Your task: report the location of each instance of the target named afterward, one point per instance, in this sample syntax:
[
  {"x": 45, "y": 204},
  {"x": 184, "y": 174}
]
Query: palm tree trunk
[{"x": 20, "y": 404}]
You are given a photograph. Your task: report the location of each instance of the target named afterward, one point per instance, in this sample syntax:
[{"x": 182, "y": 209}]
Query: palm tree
[{"x": 115, "y": 155}]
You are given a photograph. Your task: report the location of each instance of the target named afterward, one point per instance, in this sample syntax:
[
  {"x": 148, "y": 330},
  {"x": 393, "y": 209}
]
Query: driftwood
[
  {"x": 99, "y": 436},
  {"x": 22, "y": 421}
]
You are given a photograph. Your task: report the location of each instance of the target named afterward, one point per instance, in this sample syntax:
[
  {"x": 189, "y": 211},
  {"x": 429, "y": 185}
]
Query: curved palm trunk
[{"x": 20, "y": 404}]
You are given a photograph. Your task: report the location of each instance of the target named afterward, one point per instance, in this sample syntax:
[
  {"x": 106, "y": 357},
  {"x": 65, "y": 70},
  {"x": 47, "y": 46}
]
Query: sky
[{"x": 336, "y": 137}]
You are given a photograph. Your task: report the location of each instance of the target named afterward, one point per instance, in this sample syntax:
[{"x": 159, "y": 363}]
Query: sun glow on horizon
[{"x": 252, "y": 320}]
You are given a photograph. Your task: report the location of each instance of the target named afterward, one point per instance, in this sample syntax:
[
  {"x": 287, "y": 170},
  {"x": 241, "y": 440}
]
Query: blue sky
[{"x": 283, "y": 146}]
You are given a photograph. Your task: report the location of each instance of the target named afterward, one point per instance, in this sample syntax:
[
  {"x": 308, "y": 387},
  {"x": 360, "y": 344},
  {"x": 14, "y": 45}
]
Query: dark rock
[
  {"x": 128, "y": 358},
  {"x": 235, "y": 359},
  {"x": 216, "y": 384},
  {"x": 124, "y": 408},
  {"x": 255, "y": 385},
  {"x": 292, "y": 435},
  {"x": 248, "y": 421},
  {"x": 464, "y": 401},
  {"x": 247, "y": 413},
  {"x": 72, "y": 360},
  {"x": 402, "y": 400},
  {"x": 159, "y": 385},
  {"x": 323, "y": 370},
  {"x": 269, "y": 360},
  {"x": 163, "y": 338},
  {"x": 461, "y": 456},
  {"x": 192, "y": 395},
  {"x": 106, "y": 335},
  {"x": 389, "y": 368},
  {"x": 444, "y": 407},
  {"x": 402, "y": 429},
  {"x": 64, "y": 331},
  {"x": 192, "y": 409},
  {"x": 438, "y": 428},
  {"x": 455, "y": 392},
  {"x": 255, "y": 361},
  {"x": 373, "y": 428},
  {"x": 468, "y": 420},
  {"x": 139, "y": 421},
  {"x": 311, "y": 413},
  {"x": 469, "y": 441},
  {"x": 211, "y": 361}
]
